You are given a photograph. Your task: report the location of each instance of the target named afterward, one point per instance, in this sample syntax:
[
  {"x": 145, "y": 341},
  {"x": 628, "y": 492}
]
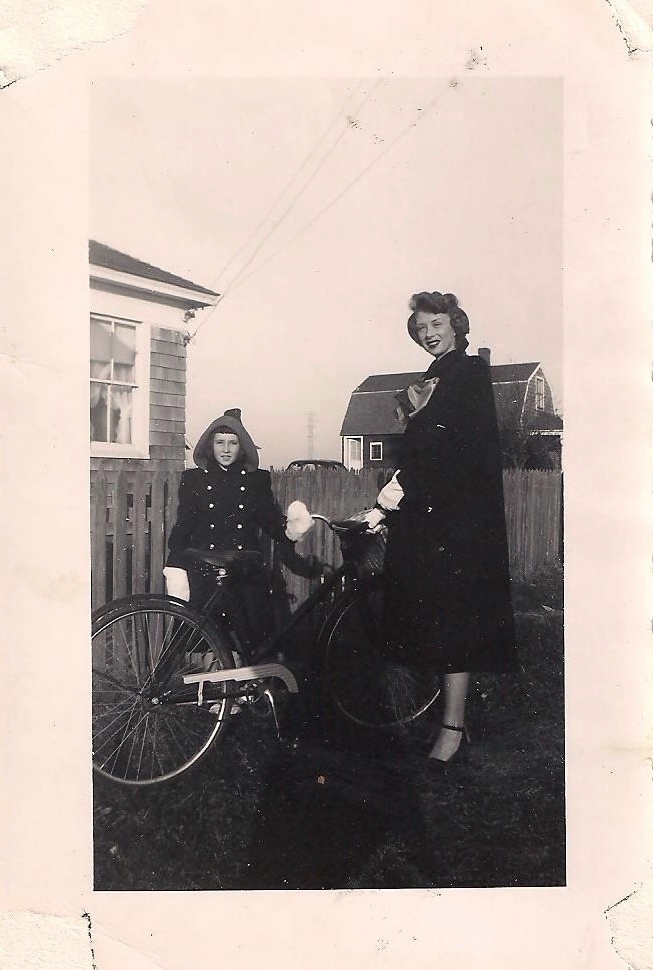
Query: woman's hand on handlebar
[{"x": 373, "y": 518}]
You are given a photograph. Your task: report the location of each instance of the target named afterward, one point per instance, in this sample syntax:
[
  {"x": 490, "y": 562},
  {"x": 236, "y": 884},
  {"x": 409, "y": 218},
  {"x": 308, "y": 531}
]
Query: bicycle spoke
[
  {"x": 115, "y": 656},
  {"x": 124, "y": 718},
  {"x": 116, "y": 714},
  {"x": 181, "y": 723},
  {"x": 145, "y": 729},
  {"x": 124, "y": 738},
  {"x": 128, "y": 648},
  {"x": 140, "y": 759},
  {"x": 120, "y": 710},
  {"x": 134, "y": 738},
  {"x": 365, "y": 684},
  {"x": 116, "y": 684}
]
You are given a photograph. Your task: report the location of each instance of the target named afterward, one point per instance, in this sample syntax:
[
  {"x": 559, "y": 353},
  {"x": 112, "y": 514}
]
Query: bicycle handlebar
[{"x": 342, "y": 526}]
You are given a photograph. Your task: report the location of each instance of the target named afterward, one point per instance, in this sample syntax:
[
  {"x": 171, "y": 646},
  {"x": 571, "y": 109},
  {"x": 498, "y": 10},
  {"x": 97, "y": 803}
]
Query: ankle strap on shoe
[{"x": 452, "y": 727}]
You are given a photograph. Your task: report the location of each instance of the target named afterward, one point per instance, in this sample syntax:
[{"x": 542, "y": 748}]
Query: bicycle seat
[{"x": 223, "y": 558}]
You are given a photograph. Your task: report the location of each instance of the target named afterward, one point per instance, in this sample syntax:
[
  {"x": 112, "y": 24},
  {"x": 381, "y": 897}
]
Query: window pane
[
  {"x": 100, "y": 370},
  {"x": 101, "y": 341},
  {"x": 124, "y": 344},
  {"x": 124, "y": 372},
  {"x": 121, "y": 415},
  {"x": 98, "y": 412},
  {"x": 124, "y": 352}
]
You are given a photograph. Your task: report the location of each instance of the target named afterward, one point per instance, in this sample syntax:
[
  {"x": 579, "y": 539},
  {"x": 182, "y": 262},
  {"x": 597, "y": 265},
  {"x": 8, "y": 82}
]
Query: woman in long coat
[{"x": 447, "y": 582}]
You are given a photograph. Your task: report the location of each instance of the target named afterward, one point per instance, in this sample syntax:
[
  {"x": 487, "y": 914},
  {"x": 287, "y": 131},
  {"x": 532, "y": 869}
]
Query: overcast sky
[{"x": 413, "y": 184}]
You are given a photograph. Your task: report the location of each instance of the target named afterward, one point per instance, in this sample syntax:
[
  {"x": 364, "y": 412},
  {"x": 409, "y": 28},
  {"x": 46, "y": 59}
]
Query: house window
[
  {"x": 539, "y": 393},
  {"x": 354, "y": 453},
  {"x": 118, "y": 392},
  {"x": 376, "y": 450}
]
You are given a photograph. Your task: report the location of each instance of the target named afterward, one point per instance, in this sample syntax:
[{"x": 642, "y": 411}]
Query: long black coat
[{"x": 448, "y": 604}]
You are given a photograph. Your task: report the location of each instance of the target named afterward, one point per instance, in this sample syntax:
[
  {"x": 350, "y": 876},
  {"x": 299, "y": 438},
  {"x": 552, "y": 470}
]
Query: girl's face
[
  {"x": 435, "y": 333},
  {"x": 226, "y": 448}
]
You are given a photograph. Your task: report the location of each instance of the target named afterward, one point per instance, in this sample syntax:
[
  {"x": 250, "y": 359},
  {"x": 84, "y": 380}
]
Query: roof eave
[{"x": 183, "y": 296}]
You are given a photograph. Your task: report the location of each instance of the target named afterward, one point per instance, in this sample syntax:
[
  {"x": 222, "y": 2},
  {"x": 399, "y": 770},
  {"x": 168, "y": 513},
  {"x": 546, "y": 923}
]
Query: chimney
[{"x": 484, "y": 352}]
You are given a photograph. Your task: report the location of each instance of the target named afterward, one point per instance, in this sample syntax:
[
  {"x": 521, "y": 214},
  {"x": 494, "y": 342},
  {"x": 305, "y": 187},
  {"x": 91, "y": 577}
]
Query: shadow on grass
[{"x": 337, "y": 808}]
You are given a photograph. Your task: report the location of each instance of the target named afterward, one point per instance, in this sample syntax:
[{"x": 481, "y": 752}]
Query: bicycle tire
[
  {"x": 361, "y": 680},
  {"x": 146, "y": 727}
]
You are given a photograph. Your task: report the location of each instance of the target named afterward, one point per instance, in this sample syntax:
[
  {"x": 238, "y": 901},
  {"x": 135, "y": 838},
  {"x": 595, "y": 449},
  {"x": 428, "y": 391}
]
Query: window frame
[
  {"x": 379, "y": 445},
  {"x": 139, "y": 447},
  {"x": 540, "y": 393}
]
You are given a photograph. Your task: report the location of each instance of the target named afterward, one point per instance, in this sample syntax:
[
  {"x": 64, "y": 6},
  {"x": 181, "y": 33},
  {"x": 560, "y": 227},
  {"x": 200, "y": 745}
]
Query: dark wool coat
[
  {"x": 224, "y": 509},
  {"x": 448, "y": 604}
]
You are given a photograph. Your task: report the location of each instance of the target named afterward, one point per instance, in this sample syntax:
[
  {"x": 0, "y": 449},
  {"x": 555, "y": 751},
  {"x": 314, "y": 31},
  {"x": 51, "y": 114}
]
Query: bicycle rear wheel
[
  {"x": 362, "y": 680},
  {"x": 147, "y": 725}
]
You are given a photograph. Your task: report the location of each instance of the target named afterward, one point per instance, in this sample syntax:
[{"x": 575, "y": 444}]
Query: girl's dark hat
[{"x": 231, "y": 422}]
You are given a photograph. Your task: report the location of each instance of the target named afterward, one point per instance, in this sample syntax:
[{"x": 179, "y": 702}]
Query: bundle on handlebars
[{"x": 365, "y": 549}]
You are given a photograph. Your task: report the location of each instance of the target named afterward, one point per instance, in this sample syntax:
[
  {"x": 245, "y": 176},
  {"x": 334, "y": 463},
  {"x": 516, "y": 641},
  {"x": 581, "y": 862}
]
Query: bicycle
[{"x": 166, "y": 676}]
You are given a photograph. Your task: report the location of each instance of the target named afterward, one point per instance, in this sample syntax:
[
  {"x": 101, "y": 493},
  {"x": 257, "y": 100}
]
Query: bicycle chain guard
[{"x": 239, "y": 674}]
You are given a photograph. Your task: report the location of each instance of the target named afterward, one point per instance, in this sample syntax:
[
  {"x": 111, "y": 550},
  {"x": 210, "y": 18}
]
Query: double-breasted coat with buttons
[
  {"x": 447, "y": 581},
  {"x": 224, "y": 509}
]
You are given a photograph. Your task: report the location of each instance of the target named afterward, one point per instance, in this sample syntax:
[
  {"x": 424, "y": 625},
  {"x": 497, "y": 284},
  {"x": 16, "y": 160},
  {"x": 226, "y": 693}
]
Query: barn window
[
  {"x": 353, "y": 453},
  {"x": 376, "y": 451},
  {"x": 118, "y": 387},
  {"x": 539, "y": 393}
]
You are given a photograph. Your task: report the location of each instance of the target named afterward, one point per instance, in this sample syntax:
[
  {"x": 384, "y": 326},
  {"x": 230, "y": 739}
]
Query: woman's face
[
  {"x": 226, "y": 448},
  {"x": 435, "y": 333}
]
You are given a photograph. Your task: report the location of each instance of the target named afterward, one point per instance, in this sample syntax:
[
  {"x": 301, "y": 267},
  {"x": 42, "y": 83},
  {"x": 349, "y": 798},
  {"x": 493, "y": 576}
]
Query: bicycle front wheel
[
  {"x": 147, "y": 725},
  {"x": 362, "y": 680}
]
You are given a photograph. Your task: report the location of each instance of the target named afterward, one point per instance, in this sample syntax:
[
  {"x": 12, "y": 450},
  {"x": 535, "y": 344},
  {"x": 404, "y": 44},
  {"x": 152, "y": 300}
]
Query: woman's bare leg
[{"x": 455, "y": 696}]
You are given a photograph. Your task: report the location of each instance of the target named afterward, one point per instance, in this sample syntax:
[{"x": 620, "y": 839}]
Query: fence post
[
  {"x": 157, "y": 531},
  {"x": 98, "y": 538},
  {"x": 139, "y": 532},
  {"x": 120, "y": 536}
]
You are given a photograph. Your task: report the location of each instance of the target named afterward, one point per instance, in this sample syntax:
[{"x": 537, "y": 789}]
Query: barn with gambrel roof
[{"x": 371, "y": 432}]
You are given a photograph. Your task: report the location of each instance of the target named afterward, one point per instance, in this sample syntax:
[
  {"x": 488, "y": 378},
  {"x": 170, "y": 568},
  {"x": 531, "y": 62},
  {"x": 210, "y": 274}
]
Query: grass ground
[{"x": 341, "y": 809}]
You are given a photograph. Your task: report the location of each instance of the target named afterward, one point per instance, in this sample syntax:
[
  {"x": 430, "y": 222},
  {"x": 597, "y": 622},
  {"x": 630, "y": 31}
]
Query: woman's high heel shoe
[{"x": 459, "y": 755}]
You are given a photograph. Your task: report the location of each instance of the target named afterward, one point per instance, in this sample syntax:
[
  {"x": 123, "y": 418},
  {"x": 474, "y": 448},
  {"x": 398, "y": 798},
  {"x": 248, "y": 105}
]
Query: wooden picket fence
[{"x": 132, "y": 512}]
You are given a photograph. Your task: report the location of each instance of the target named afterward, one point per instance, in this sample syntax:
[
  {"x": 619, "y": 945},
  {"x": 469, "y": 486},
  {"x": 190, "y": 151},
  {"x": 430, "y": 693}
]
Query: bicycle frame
[{"x": 267, "y": 670}]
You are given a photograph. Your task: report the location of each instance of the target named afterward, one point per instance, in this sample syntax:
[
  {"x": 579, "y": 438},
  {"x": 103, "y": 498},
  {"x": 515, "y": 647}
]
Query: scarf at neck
[{"x": 417, "y": 395}]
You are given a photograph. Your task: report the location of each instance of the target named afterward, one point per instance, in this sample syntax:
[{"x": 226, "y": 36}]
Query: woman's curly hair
[{"x": 439, "y": 303}]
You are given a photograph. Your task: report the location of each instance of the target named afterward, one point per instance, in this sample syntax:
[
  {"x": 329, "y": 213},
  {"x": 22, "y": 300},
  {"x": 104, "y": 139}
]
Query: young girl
[{"x": 222, "y": 505}]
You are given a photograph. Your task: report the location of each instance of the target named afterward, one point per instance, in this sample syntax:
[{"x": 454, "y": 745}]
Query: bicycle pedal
[{"x": 217, "y": 708}]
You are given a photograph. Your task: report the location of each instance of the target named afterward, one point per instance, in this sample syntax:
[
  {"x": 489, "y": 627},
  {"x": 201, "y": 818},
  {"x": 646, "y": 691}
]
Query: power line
[
  {"x": 288, "y": 184},
  {"x": 239, "y": 280},
  {"x": 278, "y": 199},
  {"x": 351, "y": 184},
  {"x": 359, "y": 107}
]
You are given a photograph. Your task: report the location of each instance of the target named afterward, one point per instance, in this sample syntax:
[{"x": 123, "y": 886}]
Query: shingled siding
[{"x": 167, "y": 395}]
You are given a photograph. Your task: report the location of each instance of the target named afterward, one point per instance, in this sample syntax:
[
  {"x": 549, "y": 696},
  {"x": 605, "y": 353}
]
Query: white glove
[
  {"x": 298, "y": 521},
  {"x": 391, "y": 494},
  {"x": 177, "y": 582},
  {"x": 373, "y": 518}
]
